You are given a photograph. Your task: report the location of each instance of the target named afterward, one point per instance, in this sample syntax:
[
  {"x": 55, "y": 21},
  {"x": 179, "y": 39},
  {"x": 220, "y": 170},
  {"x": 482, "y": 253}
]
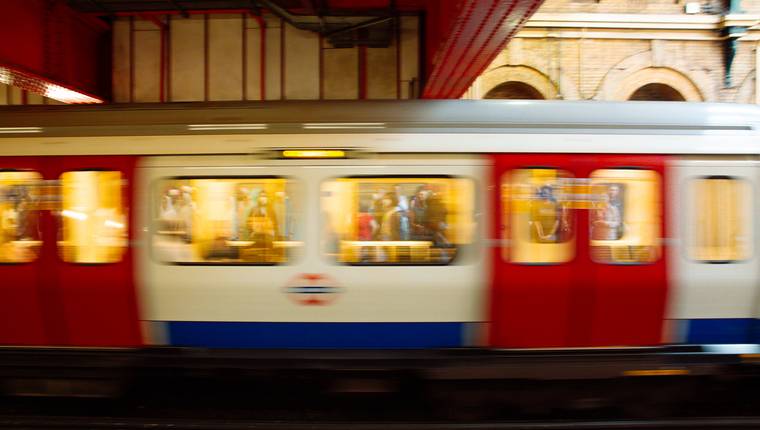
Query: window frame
[
  {"x": 41, "y": 239},
  {"x": 153, "y": 187},
  {"x": 693, "y": 180},
  {"x": 455, "y": 260}
]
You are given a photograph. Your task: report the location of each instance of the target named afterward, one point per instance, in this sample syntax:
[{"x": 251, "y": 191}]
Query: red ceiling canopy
[
  {"x": 464, "y": 36},
  {"x": 52, "y": 50},
  {"x": 63, "y": 47}
]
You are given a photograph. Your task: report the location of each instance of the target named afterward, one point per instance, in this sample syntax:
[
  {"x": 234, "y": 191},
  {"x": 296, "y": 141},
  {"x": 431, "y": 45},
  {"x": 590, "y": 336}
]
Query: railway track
[{"x": 128, "y": 423}]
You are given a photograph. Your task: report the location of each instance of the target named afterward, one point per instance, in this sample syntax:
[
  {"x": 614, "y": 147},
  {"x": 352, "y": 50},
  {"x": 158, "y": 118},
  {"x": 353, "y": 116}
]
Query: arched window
[
  {"x": 514, "y": 90},
  {"x": 657, "y": 92}
]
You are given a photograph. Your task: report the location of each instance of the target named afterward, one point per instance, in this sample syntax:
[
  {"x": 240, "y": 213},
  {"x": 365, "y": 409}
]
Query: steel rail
[{"x": 63, "y": 422}]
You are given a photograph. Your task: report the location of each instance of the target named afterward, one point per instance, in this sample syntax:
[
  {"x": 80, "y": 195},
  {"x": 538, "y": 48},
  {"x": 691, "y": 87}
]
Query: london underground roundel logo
[{"x": 312, "y": 289}]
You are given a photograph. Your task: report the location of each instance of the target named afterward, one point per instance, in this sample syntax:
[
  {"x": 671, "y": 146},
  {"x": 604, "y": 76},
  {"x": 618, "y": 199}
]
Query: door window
[
  {"x": 625, "y": 216},
  {"x": 20, "y": 237},
  {"x": 93, "y": 217},
  {"x": 542, "y": 229}
]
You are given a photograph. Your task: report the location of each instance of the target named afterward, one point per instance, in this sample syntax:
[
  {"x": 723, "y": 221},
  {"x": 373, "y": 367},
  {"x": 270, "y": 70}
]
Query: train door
[
  {"x": 93, "y": 268},
  {"x": 21, "y": 260},
  {"x": 533, "y": 273},
  {"x": 622, "y": 282},
  {"x": 581, "y": 259},
  {"x": 715, "y": 259}
]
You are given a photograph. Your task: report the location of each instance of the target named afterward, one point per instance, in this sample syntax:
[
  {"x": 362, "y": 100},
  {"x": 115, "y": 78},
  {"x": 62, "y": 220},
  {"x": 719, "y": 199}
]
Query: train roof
[{"x": 413, "y": 116}]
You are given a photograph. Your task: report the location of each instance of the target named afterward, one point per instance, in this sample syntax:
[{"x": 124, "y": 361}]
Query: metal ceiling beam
[
  {"x": 331, "y": 26},
  {"x": 365, "y": 24},
  {"x": 99, "y": 6},
  {"x": 179, "y": 7},
  {"x": 317, "y": 8}
]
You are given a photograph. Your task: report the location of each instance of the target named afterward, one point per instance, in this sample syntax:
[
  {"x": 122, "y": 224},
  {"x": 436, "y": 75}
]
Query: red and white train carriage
[{"x": 559, "y": 225}]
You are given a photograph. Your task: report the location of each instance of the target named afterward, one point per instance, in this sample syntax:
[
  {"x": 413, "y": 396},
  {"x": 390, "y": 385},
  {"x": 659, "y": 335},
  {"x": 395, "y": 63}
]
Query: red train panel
[
  {"x": 565, "y": 298},
  {"x": 529, "y": 303},
  {"x": 47, "y": 301},
  {"x": 99, "y": 300},
  {"x": 21, "y": 310},
  {"x": 629, "y": 299}
]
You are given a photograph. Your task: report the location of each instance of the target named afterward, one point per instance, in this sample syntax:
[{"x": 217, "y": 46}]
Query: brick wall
[
  {"x": 601, "y": 63},
  {"x": 613, "y": 6}
]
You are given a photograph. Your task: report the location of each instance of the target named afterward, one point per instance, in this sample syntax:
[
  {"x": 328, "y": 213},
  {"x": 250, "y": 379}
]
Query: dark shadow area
[
  {"x": 657, "y": 93},
  {"x": 514, "y": 90}
]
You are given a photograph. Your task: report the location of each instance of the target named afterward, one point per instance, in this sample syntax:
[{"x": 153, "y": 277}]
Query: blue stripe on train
[
  {"x": 722, "y": 330},
  {"x": 399, "y": 335},
  {"x": 315, "y": 335}
]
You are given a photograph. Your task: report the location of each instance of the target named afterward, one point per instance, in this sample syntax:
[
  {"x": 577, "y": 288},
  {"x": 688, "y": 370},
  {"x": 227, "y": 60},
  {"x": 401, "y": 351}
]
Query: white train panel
[
  {"x": 571, "y": 142},
  {"x": 714, "y": 266},
  {"x": 449, "y": 293}
]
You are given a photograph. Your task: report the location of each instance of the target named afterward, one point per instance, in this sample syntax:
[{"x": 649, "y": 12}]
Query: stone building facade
[{"x": 631, "y": 50}]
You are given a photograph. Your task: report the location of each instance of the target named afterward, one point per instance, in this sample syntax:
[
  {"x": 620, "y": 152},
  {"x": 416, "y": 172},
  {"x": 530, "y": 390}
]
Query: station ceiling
[{"x": 64, "y": 44}]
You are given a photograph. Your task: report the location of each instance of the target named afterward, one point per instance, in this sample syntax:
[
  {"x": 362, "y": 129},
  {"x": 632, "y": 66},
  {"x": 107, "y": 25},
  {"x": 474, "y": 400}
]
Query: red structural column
[
  {"x": 464, "y": 36},
  {"x": 52, "y": 50}
]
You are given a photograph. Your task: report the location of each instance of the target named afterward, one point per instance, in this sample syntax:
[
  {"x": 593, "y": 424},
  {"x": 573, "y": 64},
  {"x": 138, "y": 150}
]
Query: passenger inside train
[
  {"x": 398, "y": 221},
  {"x": 214, "y": 220},
  {"x": 19, "y": 232},
  {"x": 550, "y": 220},
  {"x": 607, "y": 215}
]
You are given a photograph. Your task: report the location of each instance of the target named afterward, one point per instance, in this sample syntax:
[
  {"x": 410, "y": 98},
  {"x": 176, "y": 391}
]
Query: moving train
[{"x": 379, "y": 225}]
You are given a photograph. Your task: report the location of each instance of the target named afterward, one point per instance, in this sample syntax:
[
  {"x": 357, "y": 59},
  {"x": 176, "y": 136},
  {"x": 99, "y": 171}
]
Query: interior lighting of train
[
  {"x": 210, "y": 127},
  {"x": 342, "y": 125},
  {"x": 81, "y": 216},
  {"x": 8, "y": 130},
  {"x": 113, "y": 224},
  {"x": 313, "y": 153}
]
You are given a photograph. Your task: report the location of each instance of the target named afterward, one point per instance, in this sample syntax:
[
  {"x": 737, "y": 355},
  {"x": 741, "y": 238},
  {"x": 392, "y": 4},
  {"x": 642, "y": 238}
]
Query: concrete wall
[{"x": 219, "y": 57}]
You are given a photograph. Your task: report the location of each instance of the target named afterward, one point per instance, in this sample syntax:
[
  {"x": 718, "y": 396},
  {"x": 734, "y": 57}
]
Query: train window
[
  {"x": 20, "y": 238},
  {"x": 397, "y": 220},
  {"x": 625, "y": 216},
  {"x": 94, "y": 217},
  {"x": 542, "y": 220},
  {"x": 722, "y": 208},
  {"x": 248, "y": 220}
]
